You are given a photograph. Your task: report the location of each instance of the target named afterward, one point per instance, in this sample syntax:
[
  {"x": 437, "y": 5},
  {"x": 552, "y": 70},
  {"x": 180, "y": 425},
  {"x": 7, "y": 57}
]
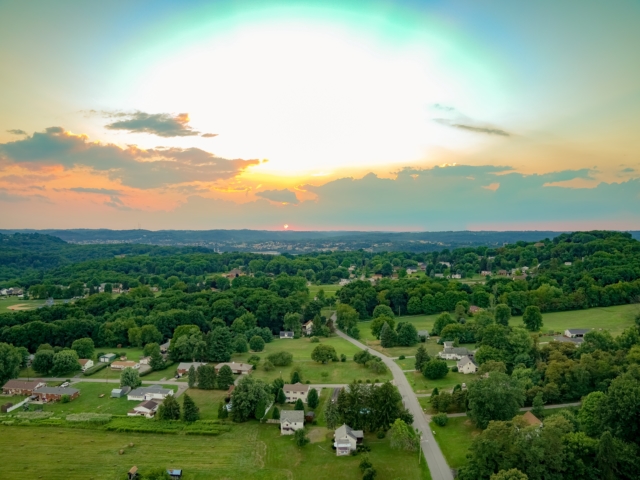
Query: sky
[{"x": 399, "y": 115}]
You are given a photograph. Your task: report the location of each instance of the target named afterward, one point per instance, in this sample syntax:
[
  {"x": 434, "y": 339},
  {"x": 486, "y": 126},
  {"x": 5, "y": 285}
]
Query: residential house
[
  {"x": 234, "y": 273},
  {"x": 296, "y": 391},
  {"x": 439, "y": 275},
  {"x": 467, "y": 365},
  {"x": 185, "y": 366},
  {"x": 447, "y": 264},
  {"x": 154, "y": 392},
  {"x": 576, "y": 332},
  {"x": 307, "y": 327},
  {"x": 411, "y": 270},
  {"x": 503, "y": 273},
  {"x": 290, "y": 421},
  {"x": 452, "y": 353},
  {"x": 531, "y": 419},
  {"x": 474, "y": 309},
  {"x": 568, "y": 264},
  {"x": 19, "y": 387},
  {"x": 147, "y": 409},
  {"x": 85, "y": 363},
  {"x": 485, "y": 273},
  {"x": 237, "y": 368},
  {"x": 519, "y": 277},
  {"x": 346, "y": 440},
  {"x": 122, "y": 364},
  {"x": 107, "y": 357},
  {"x": 286, "y": 334},
  {"x": 422, "y": 266},
  {"x": 54, "y": 394},
  {"x": 344, "y": 281},
  {"x": 456, "y": 275},
  {"x": 120, "y": 392}
]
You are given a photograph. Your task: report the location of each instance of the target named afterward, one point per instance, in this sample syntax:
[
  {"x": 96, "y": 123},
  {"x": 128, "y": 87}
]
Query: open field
[
  {"x": 455, "y": 439},
  {"x": 420, "y": 384},
  {"x": 249, "y": 450},
  {"x": 16, "y": 304},
  {"x": 89, "y": 401},
  {"x": 301, "y": 348},
  {"x": 207, "y": 401},
  {"x": 614, "y": 319},
  {"x": 329, "y": 290}
]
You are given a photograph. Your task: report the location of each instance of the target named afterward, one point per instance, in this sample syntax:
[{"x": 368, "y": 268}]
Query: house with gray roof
[
  {"x": 346, "y": 440},
  {"x": 576, "y": 332},
  {"x": 154, "y": 392},
  {"x": 453, "y": 353},
  {"x": 467, "y": 365},
  {"x": 290, "y": 421}
]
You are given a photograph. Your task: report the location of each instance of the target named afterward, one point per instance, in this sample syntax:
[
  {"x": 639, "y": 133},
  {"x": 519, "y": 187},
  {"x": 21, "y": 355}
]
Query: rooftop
[
  {"x": 295, "y": 416},
  {"x": 57, "y": 390},
  {"x": 297, "y": 387}
]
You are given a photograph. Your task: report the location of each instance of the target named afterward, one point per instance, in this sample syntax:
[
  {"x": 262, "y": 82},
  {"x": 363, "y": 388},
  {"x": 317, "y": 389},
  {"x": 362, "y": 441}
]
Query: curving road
[{"x": 435, "y": 459}]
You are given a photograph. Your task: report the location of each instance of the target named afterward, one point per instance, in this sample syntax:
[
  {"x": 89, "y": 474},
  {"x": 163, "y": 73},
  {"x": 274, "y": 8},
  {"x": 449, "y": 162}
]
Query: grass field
[
  {"x": 90, "y": 401},
  {"x": 250, "y": 450},
  {"x": 18, "y": 304},
  {"x": 420, "y": 384},
  {"x": 207, "y": 401},
  {"x": 614, "y": 319},
  {"x": 329, "y": 290},
  {"x": 301, "y": 348},
  {"x": 455, "y": 439}
]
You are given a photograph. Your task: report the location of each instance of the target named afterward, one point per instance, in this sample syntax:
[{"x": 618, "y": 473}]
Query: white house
[
  {"x": 466, "y": 365},
  {"x": 85, "y": 363},
  {"x": 290, "y": 421},
  {"x": 154, "y": 392},
  {"x": 296, "y": 391},
  {"x": 346, "y": 440},
  {"x": 145, "y": 409},
  {"x": 411, "y": 270},
  {"x": 307, "y": 327},
  {"x": 452, "y": 353},
  {"x": 122, "y": 364},
  {"x": 576, "y": 332}
]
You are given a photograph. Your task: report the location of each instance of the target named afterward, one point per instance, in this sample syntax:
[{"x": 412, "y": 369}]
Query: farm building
[{"x": 19, "y": 387}]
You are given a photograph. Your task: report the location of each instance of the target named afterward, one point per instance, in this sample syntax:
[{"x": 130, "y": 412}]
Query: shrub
[
  {"x": 255, "y": 360},
  {"x": 435, "y": 369},
  {"x": 315, "y": 340},
  {"x": 34, "y": 415},
  {"x": 65, "y": 399},
  {"x": 440, "y": 419},
  {"x": 381, "y": 434},
  {"x": 281, "y": 359},
  {"x": 401, "y": 357},
  {"x": 268, "y": 366},
  {"x": 343, "y": 357},
  {"x": 256, "y": 343},
  {"x": 454, "y": 369}
]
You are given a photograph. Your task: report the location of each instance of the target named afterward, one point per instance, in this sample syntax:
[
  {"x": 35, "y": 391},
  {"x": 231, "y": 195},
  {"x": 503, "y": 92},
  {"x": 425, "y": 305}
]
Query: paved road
[
  {"x": 436, "y": 461},
  {"x": 525, "y": 409}
]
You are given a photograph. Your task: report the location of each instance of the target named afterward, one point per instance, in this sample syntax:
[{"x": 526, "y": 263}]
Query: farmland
[{"x": 249, "y": 450}]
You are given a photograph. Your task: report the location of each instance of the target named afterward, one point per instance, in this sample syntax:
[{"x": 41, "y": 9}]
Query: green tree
[
  {"x": 492, "y": 366},
  {"x": 403, "y": 437},
  {"x": 130, "y": 377},
  {"x": 378, "y": 322},
  {"x": 240, "y": 344},
  {"x": 498, "y": 397},
  {"x": 365, "y": 463},
  {"x": 532, "y": 318},
  {"x": 606, "y": 456},
  {"x": 292, "y": 323},
  {"x": 222, "y": 411},
  {"x": 192, "y": 376},
  {"x": 622, "y": 407},
  {"x": 65, "y": 362},
  {"x": 407, "y": 334},
  {"x": 511, "y": 474},
  {"x": 281, "y": 397},
  {"x": 219, "y": 346},
  {"x": 300, "y": 437},
  {"x": 260, "y": 409},
  {"x": 332, "y": 415},
  {"x": 388, "y": 337},
  {"x": 383, "y": 311},
  {"x": 42, "y": 361},
  {"x": 435, "y": 369},
  {"x": 299, "y": 405},
  {"x": 369, "y": 474},
  {"x": 312, "y": 398},
  {"x": 256, "y": 343},
  {"x": 275, "y": 414},
  {"x": 84, "y": 347},
  {"x": 190, "y": 411},
  {"x": 149, "y": 348},
  {"x": 503, "y": 314},
  {"x": 422, "y": 357},
  {"x": 591, "y": 413},
  {"x": 538, "y": 405},
  {"x": 296, "y": 377},
  {"x": 157, "y": 360},
  {"x": 169, "y": 409},
  {"x": 10, "y": 361},
  {"x": 442, "y": 321},
  {"x": 249, "y": 392},
  {"x": 225, "y": 378},
  {"x": 324, "y": 353},
  {"x": 206, "y": 376}
]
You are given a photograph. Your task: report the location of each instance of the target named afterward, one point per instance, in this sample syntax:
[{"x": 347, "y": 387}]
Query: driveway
[{"x": 432, "y": 453}]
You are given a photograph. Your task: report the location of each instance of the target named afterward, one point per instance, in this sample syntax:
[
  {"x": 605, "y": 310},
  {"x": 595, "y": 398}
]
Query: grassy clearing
[
  {"x": 329, "y": 290},
  {"x": 13, "y": 304},
  {"x": 89, "y": 401},
  {"x": 614, "y": 319},
  {"x": 249, "y": 450},
  {"x": 207, "y": 401},
  {"x": 455, "y": 439},
  {"x": 422, "y": 385}
]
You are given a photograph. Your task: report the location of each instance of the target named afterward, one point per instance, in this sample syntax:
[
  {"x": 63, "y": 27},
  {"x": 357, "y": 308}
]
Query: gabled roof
[
  {"x": 149, "y": 404},
  {"x": 466, "y": 360},
  {"x": 56, "y": 390},
  {"x": 345, "y": 430},
  {"x": 141, "y": 391},
  {"x": 292, "y": 416},
  {"x": 187, "y": 365},
  {"x": 296, "y": 387},
  {"x": 578, "y": 331},
  {"x": 531, "y": 419},
  {"x": 21, "y": 384}
]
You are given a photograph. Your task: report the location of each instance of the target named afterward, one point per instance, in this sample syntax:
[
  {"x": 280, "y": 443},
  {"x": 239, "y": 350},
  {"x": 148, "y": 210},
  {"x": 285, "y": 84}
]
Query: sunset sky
[{"x": 322, "y": 115}]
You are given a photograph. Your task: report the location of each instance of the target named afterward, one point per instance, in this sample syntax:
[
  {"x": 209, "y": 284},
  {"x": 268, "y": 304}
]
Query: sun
[{"x": 286, "y": 226}]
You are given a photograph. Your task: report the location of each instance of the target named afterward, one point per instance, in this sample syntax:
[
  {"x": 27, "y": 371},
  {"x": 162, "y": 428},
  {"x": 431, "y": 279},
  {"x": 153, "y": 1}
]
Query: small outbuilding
[
  {"x": 284, "y": 334},
  {"x": 107, "y": 357},
  {"x": 120, "y": 392}
]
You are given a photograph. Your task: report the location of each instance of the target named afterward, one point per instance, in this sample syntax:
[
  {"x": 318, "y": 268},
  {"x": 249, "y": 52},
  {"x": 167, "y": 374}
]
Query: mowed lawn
[
  {"x": 614, "y": 319},
  {"x": 90, "y": 400},
  {"x": 207, "y": 401},
  {"x": 420, "y": 384},
  {"x": 455, "y": 439},
  {"x": 13, "y": 304},
  {"x": 314, "y": 372},
  {"x": 329, "y": 290},
  {"x": 249, "y": 450}
]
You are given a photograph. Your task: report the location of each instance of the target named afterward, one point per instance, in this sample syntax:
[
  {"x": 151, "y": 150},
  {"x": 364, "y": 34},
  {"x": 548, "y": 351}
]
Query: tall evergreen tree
[
  {"x": 388, "y": 337},
  {"x": 225, "y": 378},
  {"x": 312, "y": 398},
  {"x": 190, "y": 411},
  {"x": 332, "y": 415},
  {"x": 422, "y": 357},
  {"x": 299, "y": 405},
  {"x": 275, "y": 414},
  {"x": 206, "y": 377},
  {"x": 296, "y": 377},
  {"x": 219, "y": 345},
  {"x": 192, "y": 376},
  {"x": 281, "y": 398},
  {"x": 169, "y": 409}
]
